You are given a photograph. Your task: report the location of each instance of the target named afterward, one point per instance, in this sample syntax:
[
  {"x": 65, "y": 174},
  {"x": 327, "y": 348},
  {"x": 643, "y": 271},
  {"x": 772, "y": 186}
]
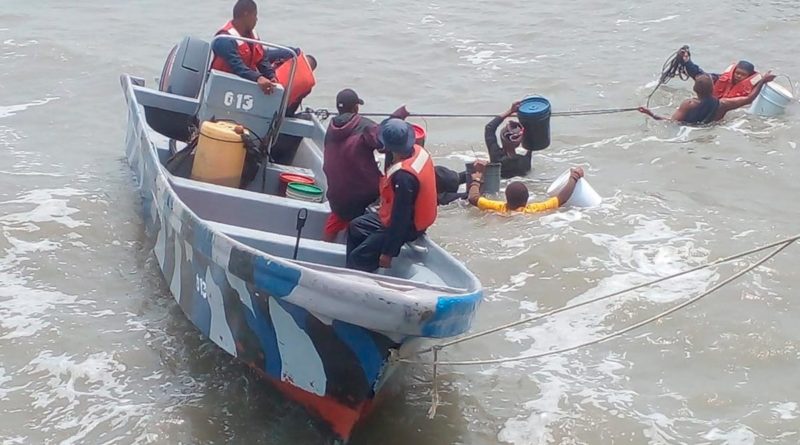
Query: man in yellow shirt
[{"x": 517, "y": 194}]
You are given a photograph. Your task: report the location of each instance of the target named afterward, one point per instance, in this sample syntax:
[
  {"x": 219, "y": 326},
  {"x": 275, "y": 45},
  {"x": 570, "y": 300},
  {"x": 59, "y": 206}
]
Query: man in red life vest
[
  {"x": 408, "y": 202},
  {"x": 738, "y": 80},
  {"x": 246, "y": 60}
]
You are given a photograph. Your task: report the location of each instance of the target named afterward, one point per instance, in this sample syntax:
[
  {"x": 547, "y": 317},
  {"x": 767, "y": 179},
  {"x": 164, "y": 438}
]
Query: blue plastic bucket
[{"x": 534, "y": 115}]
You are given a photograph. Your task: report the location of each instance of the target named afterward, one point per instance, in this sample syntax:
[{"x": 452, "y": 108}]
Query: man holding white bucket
[{"x": 517, "y": 194}]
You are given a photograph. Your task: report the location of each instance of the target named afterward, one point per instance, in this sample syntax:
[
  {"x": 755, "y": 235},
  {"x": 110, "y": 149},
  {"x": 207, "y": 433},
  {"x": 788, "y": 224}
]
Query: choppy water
[{"x": 93, "y": 349}]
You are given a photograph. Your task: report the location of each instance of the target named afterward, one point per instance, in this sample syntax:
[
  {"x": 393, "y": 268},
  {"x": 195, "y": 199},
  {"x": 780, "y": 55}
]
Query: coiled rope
[
  {"x": 672, "y": 67},
  {"x": 778, "y": 246}
]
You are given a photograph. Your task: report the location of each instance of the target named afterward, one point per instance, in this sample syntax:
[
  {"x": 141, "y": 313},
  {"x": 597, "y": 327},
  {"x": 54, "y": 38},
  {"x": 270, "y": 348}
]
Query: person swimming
[{"x": 707, "y": 108}]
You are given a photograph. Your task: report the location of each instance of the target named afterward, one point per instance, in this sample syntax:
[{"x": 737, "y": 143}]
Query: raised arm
[{"x": 733, "y": 103}]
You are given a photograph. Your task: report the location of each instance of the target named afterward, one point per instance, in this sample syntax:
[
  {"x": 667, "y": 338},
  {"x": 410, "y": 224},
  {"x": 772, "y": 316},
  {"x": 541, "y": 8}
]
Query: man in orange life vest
[
  {"x": 738, "y": 80},
  {"x": 408, "y": 202},
  {"x": 246, "y": 60}
]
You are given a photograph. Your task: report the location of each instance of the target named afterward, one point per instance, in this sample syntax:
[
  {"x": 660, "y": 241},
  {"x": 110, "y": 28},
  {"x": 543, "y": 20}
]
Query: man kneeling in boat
[
  {"x": 408, "y": 202},
  {"x": 706, "y": 108},
  {"x": 517, "y": 194},
  {"x": 246, "y": 60}
]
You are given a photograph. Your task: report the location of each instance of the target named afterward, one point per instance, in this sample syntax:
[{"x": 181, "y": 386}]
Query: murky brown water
[{"x": 93, "y": 349}]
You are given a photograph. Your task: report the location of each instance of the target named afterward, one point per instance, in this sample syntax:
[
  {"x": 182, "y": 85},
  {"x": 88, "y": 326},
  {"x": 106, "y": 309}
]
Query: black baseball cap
[{"x": 347, "y": 99}]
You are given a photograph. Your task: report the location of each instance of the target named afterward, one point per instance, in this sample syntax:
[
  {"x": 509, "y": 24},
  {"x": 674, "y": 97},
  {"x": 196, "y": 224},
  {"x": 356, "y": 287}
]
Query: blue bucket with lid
[{"x": 534, "y": 115}]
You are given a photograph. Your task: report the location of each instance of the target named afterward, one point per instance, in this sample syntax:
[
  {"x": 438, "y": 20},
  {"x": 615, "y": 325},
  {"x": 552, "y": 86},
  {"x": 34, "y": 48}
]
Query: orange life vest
[
  {"x": 724, "y": 87},
  {"x": 421, "y": 166},
  {"x": 303, "y": 81},
  {"x": 251, "y": 54}
]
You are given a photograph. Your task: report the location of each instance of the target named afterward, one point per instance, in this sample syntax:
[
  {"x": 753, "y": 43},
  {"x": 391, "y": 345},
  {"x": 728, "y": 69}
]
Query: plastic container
[
  {"x": 304, "y": 192},
  {"x": 419, "y": 134},
  {"x": 772, "y": 101},
  {"x": 491, "y": 177},
  {"x": 220, "y": 153},
  {"x": 287, "y": 178},
  {"x": 584, "y": 194},
  {"x": 534, "y": 115}
]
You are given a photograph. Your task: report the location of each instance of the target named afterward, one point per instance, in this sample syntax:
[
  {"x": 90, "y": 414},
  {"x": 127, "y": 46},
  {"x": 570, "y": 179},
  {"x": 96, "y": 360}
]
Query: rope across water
[
  {"x": 324, "y": 114},
  {"x": 778, "y": 247}
]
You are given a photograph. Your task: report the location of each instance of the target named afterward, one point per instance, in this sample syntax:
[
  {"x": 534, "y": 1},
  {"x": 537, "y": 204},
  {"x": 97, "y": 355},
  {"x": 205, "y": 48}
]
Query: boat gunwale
[{"x": 417, "y": 310}]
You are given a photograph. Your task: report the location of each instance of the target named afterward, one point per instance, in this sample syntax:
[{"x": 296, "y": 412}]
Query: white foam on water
[
  {"x": 652, "y": 250},
  {"x": 740, "y": 435},
  {"x": 83, "y": 397},
  {"x": 785, "y": 411},
  {"x": 10, "y": 110},
  {"x": 26, "y": 307}
]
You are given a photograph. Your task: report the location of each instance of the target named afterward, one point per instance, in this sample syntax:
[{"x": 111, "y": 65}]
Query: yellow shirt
[{"x": 534, "y": 207}]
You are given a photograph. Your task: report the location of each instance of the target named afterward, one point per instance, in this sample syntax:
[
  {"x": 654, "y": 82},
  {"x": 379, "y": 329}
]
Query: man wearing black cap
[
  {"x": 408, "y": 202},
  {"x": 349, "y": 162}
]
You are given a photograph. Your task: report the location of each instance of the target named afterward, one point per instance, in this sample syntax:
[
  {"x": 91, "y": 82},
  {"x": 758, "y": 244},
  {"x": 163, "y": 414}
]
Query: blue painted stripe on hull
[
  {"x": 278, "y": 280},
  {"x": 362, "y": 344},
  {"x": 261, "y": 324},
  {"x": 453, "y": 315}
]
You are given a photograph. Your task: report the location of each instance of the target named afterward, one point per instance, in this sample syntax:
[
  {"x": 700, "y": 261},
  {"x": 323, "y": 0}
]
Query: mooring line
[{"x": 436, "y": 363}]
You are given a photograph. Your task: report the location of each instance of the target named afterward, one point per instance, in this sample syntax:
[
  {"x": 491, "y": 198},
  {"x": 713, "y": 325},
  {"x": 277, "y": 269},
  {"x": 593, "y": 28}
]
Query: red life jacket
[
  {"x": 303, "y": 81},
  {"x": 724, "y": 87},
  {"x": 251, "y": 54},
  {"x": 421, "y": 166}
]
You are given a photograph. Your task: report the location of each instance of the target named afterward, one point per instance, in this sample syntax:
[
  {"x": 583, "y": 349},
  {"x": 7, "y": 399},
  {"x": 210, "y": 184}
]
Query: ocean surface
[{"x": 93, "y": 348}]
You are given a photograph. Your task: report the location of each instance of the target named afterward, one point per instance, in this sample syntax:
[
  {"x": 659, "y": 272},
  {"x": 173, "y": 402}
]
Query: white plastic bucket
[
  {"x": 584, "y": 194},
  {"x": 772, "y": 101}
]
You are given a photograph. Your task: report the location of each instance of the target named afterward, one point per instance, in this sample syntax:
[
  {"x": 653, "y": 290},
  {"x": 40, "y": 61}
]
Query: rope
[
  {"x": 672, "y": 67},
  {"x": 324, "y": 114},
  {"x": 611, "y": 295},
  {"x": 621, "y": 331}
]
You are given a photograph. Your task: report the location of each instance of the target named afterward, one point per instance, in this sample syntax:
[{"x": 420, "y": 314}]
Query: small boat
[{"x": 280, "y": 301}]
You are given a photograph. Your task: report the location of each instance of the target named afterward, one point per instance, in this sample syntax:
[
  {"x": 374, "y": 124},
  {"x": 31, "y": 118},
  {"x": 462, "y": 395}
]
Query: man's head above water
[
  {"x": 516, "y": 195},
  {"x": 703, "y": 86}
]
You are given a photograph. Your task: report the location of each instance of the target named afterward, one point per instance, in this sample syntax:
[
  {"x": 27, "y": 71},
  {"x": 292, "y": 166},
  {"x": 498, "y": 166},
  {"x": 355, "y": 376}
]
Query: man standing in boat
[
  {"x": 511, "y": 163},
  {"x": 408, "y": 202},
  {"x": 246, "y": 60},
  {"x": 349, "y": 162}
]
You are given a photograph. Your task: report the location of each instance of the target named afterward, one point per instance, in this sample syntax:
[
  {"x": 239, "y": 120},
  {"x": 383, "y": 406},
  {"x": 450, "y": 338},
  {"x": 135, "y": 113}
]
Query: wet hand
[
  {"x": 385, "y": 261},
  {"x": 480, "y": 166},
  {"x": 515, "y": 107},
  {"x": 769, "y": 77},
  {"x": 576, "y": 173},
  {"x": 476, "y": 177},
  {"x": 646, "y": 111},
  {"x": 265, "y": 84}
]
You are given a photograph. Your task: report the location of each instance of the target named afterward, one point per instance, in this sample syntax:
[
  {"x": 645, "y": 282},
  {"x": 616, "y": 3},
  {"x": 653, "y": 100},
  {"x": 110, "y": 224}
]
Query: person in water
[
  {"x": 517, "y": 194},
  {"x": 706, "y": 108},
  {"x": 511, "y": 163},
  {"x": 447, "y": 184},
  {"x": 349, "y": 163},
  {"x": 738, "y": 80},
  {"x": 408, "y": 202}
]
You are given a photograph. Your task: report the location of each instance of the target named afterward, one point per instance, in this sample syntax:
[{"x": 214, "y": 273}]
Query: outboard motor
[{"x": 182, "y": 75}]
